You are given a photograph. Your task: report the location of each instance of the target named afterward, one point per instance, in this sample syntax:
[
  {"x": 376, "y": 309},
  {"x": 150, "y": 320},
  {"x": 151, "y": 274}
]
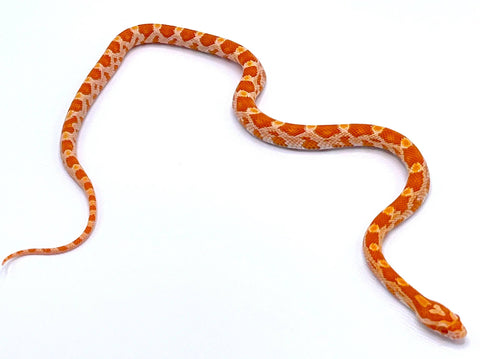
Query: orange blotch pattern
[
  {"x": 412, "y": 155},
  {"x": 67, "y": 145},
  {"x": 167, "y": 31},
  {"x": 246, "y": 86},
  {"x": 126, "y": 35},
  {"x": 76, "y": 106},
  {"x": 228, "y": 47},
  {"x": 292, "y": 129},
  {"x": 80, "y": 174},
  {"x": 357, "y": 130},
  {"x": 95, "y": 74},
  {"x": 250, "y": 71},
  {"x": 114, "y": 47},
  {"x": 260, "y": 120},
  {"x": 105, "y": 61},
  {"x": 391, "y": 136},
  {"x": 415, "y": 181},
  {"x": 187, "y": 34},
  {"x": 71, "y": 161},
  {"x": 146, "y": 30},
  {"x": 327, "y": 131},
  {"x": 382, "y": 220},
  {"x": 208, "y": 40},
  {"x": 245, "y": 57},
  {"x": 85, "y": 89},
  {"x": 279, "y": 141},
  {"x": 68, "y": 125},
  {"x": 310, "y": 144},
  {"x": 244, "y": 103}
]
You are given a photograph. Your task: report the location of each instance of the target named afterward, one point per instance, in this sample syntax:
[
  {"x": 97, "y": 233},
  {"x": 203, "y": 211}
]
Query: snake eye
[{"x": 443, "y": 330}]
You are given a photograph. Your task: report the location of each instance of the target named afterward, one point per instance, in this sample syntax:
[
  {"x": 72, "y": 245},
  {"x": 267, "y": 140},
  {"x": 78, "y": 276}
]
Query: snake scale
[{"x": 294, "y": 136}]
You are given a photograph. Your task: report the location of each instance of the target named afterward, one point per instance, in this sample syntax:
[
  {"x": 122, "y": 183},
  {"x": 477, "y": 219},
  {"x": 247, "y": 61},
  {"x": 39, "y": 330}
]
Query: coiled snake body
[{"x": 305, "y": 137}]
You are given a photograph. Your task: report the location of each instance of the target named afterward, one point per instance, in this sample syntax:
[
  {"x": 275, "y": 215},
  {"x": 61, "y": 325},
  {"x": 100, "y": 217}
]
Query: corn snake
[{"x": 294, "y": 136}]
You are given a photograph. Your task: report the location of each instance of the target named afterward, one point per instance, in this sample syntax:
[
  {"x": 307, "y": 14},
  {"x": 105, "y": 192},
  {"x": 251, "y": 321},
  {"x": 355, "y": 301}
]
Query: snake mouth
[
  {"x": 457, "y": 334},
  {"x": 454, "y": 331}
]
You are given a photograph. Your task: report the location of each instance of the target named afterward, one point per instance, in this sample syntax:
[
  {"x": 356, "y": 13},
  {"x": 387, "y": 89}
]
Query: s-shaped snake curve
[{"x": 304, "y": 137}]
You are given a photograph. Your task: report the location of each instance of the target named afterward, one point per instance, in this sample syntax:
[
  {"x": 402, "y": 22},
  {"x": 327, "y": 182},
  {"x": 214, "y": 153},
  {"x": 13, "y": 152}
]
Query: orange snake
[{"x": 305, "y": 137}]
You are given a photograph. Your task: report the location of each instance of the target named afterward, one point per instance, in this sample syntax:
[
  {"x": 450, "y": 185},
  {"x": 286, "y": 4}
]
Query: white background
[{"x": 211, "y": 244}]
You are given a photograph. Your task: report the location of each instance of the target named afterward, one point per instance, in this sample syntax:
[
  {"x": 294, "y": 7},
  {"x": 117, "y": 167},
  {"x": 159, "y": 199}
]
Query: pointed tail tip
[
  {"x": 6, "y": 259},
  {"x": 16, "y": 255}
]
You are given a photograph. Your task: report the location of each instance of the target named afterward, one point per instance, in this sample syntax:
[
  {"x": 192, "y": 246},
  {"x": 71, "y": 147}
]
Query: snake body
[{"x": 294, "y": 136}]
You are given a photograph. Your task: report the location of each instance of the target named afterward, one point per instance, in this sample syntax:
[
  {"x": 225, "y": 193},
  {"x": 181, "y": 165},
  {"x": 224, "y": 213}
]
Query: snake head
[{"x": 443, "y": 321}]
